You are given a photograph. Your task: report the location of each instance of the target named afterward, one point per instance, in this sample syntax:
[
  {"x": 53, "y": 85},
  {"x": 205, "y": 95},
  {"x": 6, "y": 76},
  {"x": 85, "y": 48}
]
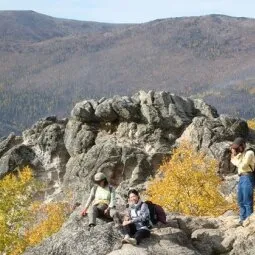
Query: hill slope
[{"x": 47, "y": 64}]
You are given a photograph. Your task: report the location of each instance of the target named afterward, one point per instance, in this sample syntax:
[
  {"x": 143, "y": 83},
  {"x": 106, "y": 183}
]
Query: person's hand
[
  {"x": 233, "y": 152},
  {"x": 84, "y": 212},
  {"x": 126, "y": 222},
  {"x": 126, "y": 218}
]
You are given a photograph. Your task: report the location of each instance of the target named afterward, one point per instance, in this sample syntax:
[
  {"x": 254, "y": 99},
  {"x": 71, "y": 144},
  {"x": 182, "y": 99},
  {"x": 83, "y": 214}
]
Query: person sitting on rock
[
  {"x": 136, "y": 221},
  {"x": 244, "y": 160},
  {"x": 101, "y": 201}
]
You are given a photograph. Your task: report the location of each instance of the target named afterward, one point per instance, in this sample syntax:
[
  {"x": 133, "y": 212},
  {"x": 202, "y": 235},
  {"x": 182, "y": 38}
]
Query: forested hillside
[{"x": 48, "y": 64}]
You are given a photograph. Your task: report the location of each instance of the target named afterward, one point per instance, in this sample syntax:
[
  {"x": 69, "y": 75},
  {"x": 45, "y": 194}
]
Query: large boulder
[
  {"x": 18, "y": 156},
  {"x": 46, "y": 140},
  {"x": 214, "y": 136},
  {"x": 84, "y": 111},
  {"x": 79, "y": 137},
  {"x": 7, "y": 143},
  {"x": 125, "y": 108},
  {"x": 105, "y": 111}
]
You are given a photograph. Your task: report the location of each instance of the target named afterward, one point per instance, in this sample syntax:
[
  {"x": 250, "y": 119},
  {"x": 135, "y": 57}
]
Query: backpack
[
  {"x": 252, "y": 169},
  {"x": 157, "y": 213}
]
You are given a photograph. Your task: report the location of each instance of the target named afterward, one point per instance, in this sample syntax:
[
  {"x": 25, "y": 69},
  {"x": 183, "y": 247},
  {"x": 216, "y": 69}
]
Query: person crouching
[{"x": 102, "y": 198}]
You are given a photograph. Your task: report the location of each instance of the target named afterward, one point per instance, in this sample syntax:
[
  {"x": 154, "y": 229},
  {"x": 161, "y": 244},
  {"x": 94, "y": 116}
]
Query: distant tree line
[{"x": 21, "y": 110}]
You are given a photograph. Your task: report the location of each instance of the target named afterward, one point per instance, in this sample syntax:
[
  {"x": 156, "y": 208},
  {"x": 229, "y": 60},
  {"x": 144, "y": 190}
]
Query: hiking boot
[
  {"x": 130, "y": 240},
  {"x": 240, "y": 222},
  {"x": 124, "y": 240}
]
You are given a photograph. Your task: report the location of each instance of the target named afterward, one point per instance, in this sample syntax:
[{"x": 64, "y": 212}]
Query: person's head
[
  {"x": 101, "y": 179},
  {"x": 133, "y": 196},
  {"x": 238, "y": 145}
]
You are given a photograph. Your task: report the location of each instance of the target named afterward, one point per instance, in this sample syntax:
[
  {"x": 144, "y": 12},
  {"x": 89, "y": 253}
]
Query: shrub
[
  {"x": 251, "y": 123},
  {"x": 16, "y": 191},
  {"x": 25, "y": 223},
  {"x": 187, "y": 183},
  {"x": 47, "y": 220}
]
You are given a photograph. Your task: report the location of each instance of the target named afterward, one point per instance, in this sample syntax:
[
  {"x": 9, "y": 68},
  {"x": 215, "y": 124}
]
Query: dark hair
[
  {"x": 238, "y": 141},
  {"x": 238, "y": 149},
  {"x": 133, "y": 191},
  {"x": 105, "y": 182},
  {"x": 238, "y": 145}
]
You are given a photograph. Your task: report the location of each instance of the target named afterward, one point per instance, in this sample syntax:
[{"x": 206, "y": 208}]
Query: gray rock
[
  {"x": 189, "y": 224},
  {"x": 214, "y": 136},
  {"x": 102, "y": 157},
  {"x": 6, "y": 143},
  {"x": 17, "y": 157},
  {"x": 209, "y": 241},
  {"x": 78, "y": 137},
  {"x": 205, "y": 109},
  {"x": 84, "y": 111},
  {"x": 46, "y": 140},
  {"x": 74, "y": 238},
  {"x": 105, "y": 111},
  {"x": 192, "y": 235},
  {"x": 126, "y": 109}
]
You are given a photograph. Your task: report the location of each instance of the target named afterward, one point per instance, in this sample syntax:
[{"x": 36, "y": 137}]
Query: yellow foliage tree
[
  {"x": 251, "y": 123},
  {"x": 23, "y": 222},
  {"x": 16, "y": 191},
  {"x": 47, "y": 220},
  {"x": 187, "y": 183}
]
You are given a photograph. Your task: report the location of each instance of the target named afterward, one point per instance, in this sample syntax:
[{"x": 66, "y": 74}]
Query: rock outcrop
[{"x": 127, "y": 138}]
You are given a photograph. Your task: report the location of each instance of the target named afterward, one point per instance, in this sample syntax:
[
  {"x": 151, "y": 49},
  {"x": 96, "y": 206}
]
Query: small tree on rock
[{"x": 187, "y": 183}]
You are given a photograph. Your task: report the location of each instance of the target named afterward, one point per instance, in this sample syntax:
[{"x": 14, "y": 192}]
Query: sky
[{"x": 131, "y": 11}]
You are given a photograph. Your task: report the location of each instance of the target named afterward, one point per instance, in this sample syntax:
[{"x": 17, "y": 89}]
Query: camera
[{"x": 238, "y": 150}]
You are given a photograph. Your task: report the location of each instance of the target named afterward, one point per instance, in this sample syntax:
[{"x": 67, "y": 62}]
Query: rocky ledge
[{"x": 182, "y": 235}]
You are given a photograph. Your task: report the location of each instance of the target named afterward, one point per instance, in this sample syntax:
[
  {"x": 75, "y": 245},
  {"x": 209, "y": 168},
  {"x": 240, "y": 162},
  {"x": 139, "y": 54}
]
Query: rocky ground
[{"x": 182, "y": 235}]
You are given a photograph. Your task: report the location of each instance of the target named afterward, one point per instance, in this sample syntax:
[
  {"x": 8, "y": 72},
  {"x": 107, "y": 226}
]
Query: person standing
[
  {"x": 101, "y": 201},
  {"x": 244, "y": 160},
  {"x": 136, "y": 221}
]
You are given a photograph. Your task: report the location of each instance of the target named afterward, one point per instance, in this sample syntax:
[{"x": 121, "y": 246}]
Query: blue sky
[{"x": 131, "y": 11}]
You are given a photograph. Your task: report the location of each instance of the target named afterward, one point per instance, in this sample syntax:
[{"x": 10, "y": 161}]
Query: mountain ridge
[{"x": 208, "y": 56}]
